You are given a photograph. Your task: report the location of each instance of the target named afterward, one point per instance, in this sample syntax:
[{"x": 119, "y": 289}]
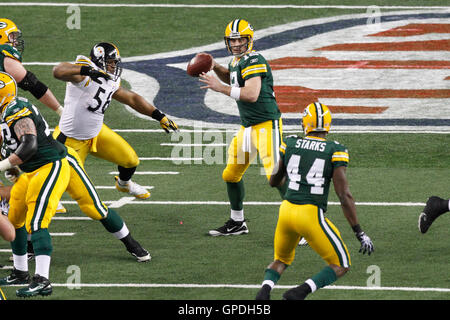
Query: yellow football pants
[
  {"x": 82, "y": 190},
  {"x": 308, "y": 221},
  {"x": 35, "y": 195},
  {"x": 263, "y": 139},
  {"x": 107, "y": 145}
]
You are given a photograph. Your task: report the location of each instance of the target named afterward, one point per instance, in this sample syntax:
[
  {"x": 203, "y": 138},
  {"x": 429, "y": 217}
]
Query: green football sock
[
  {"x": 42, "y": 242},
  {"x": 113, "y": 222},
  {"x": 19, "y": 245},
  {"x": 324, "y": 278},
  {"x": 271, "y": 275},
  {"x": 236, "y": 194}
]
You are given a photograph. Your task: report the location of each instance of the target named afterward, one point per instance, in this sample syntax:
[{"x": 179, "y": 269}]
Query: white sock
[
  {"x": 237, "y": 215},
  {"x": 42, "y": 265},
  {"x": 122, "y": 233},
  {"x": 268, "y": 282},
  {"x": 122, "y": 182},
  {"x": 449, "y": 205},
  {"x": 311, "y": 284},
  {"x": 21, "y": 262}
]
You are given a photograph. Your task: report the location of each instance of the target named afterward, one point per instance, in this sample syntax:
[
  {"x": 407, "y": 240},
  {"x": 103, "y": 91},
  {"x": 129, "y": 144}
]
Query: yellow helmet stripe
[
  {"x": 319, "y": 115},
  {"x": 235, "y": 27}
]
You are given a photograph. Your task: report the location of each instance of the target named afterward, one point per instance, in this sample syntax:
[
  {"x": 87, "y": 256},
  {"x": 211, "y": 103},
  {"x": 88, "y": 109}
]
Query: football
[{"x": 200, "y": 63}]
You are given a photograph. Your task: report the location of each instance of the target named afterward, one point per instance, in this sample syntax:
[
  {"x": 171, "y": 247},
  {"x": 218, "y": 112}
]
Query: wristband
[
  {"x": 235, "y": 93},
  {"x": 356, "y": 228},
  {"x": 59, "y": 111},
  {"x": 5, "y": 165},
  {"x": 84, "y": 70},
  {"x": 157, "y": 115}
]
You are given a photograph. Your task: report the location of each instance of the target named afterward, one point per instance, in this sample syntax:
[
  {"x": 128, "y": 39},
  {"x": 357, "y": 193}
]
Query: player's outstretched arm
[
  {"x": 342, "y": 190},
  {"x": 138, "y": 103},
  {"x": 26, "y": 80}
]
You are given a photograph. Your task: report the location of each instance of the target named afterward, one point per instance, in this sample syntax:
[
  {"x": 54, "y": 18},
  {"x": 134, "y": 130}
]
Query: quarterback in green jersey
[
  {"x": 309, "y": 164},
  {"x": 248, "y": 80}
]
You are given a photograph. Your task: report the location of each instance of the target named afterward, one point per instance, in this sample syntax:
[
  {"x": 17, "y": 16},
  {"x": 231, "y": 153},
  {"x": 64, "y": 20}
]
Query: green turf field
[{"x": 391, "y": 176}]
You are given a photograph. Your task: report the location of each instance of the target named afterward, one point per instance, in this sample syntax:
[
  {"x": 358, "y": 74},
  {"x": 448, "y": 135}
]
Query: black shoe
[
  {"x": 231, "y": 227},
  {"x": 297, "y": 293},
  {"x": 16, "y": 277},
  {"x": 30, "y": 251},
  {"x": 136, "y": 249},
  {"x": 434, "y": 207},
  {"x": 39, "y": 286},
  {"x": 264, "y": 293}
]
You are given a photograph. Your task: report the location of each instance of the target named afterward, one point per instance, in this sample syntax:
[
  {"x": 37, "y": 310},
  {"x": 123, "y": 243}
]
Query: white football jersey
[{"x": 85, "y": 104}]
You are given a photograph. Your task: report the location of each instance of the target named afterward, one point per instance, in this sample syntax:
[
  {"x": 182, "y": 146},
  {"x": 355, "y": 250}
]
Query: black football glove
[
  {"x": 94, "y": 74},
  {"x": 366, "y": 243}
]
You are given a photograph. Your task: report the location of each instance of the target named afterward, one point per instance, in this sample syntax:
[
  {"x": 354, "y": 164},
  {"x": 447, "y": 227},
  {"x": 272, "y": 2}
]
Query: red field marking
[
  {"x": 295, "y": 98},
  {"x": 321, "y": 63},
  {"x": 414, "y": 29},
  {"x": 429, "y": 45}
]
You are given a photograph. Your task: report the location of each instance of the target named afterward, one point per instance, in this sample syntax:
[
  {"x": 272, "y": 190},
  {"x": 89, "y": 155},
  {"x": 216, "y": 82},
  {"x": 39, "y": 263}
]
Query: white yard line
[
  {"x": 149, "y": 172},
  {"x": 254, "y": 203},
  {"x": 201, "y": 6}
]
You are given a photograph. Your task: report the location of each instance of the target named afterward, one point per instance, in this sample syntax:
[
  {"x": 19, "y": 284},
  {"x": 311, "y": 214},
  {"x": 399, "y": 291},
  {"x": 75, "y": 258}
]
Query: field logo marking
[{"x": 375, "y": 72}]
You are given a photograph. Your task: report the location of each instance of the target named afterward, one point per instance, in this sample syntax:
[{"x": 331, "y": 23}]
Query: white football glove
[
  {"x": 12, "y": 174},
  {"x": 366, "y": 243}
]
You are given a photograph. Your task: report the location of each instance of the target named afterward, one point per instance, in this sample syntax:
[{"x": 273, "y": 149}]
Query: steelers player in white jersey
[{"x": 92, "y": 82}]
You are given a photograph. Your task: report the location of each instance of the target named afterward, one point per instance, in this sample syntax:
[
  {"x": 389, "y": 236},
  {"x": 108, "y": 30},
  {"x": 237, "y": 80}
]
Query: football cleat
[
  {"x": 132, "y": 188},
  {"x": 434, "y": 207},
  {"x": 141, "y": 255},
  {"x": 60, "y": 208},
  {"x": 297, "y": 293},
  {"x": 136, "y": 249},
  {"x": 302, "y": 242},
  {"x": 264, "y": 293},
  {"x": 230, "y": 227},
  {"x": 16, "y": 277},
  {"x": 39, "y": 286}
]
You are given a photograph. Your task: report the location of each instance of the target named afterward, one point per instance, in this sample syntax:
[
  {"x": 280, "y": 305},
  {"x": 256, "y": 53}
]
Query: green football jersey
[
  {"x": 8, "y": 51},
  {"x": 49, "y": 149},
  {"x": 309, "y": 163},
  {"x": 265, "y": 108}
]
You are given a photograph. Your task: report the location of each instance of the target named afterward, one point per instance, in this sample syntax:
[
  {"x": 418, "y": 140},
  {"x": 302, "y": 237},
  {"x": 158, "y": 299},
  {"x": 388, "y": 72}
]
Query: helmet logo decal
[
  {"x": 3, "y": 25},
  {"x": 99, "y": 52},
  {"x": 2, "y": 84}
]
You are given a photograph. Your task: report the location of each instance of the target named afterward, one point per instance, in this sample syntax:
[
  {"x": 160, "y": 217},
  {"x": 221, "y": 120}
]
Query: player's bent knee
[
  {"x": 340, "y": 271},
  {"x": 229, "y": 176},
  {"x": 130, "y": 163}
]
